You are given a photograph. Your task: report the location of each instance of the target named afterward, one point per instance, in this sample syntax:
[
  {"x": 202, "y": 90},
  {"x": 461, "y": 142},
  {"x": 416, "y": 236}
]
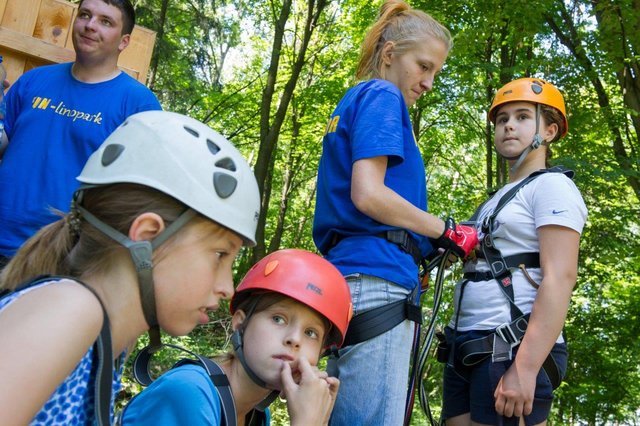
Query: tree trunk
[
  {"x": 159, "y": 40},
  {"x": 270, "y": 129},
  {"x": 573, "y": 42}
]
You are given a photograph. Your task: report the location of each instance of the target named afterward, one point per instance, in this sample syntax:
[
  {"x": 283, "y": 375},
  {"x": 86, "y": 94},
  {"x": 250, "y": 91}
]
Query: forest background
[{"x": 268, "y": 73}]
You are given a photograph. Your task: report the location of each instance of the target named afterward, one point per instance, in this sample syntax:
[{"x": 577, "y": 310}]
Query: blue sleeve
[
  {"x": 182, "y": 396},
  {"x": 14, "y": 103},
  {"x": 144, "y": 99},
  {"x": 377, "y": 128}
]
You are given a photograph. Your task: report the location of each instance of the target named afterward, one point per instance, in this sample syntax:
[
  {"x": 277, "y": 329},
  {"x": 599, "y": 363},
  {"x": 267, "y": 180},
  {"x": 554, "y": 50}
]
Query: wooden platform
[{"x": 38, "y": 32}]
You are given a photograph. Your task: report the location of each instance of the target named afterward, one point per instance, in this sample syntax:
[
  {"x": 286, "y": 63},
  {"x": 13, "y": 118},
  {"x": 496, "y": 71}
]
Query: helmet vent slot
[
  {"x": 193, "y": 132},
  {"x": 224, "y": 184},
  {"x": 227, "y": 164},
  {"x": 111, "y": 153},
  {"x": 213, "y": 147}
]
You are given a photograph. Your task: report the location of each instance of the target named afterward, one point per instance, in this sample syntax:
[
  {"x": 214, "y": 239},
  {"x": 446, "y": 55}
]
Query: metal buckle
[{"x": 508, "y": 335}]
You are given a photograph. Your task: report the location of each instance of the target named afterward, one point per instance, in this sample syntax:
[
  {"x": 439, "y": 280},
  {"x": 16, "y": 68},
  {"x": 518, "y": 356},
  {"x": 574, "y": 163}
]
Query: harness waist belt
[
  {"x": 474, "y": 351},
  {"x": 376, "y": 321},
  {"x": 400, "y": 237},
  {"x": 529, "y": 260}
]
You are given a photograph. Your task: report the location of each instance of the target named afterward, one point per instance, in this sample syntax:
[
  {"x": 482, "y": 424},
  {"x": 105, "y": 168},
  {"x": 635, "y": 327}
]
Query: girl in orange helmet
[
  {"x": 509, "y": 352},
  {"x": 288, "y": 308}
]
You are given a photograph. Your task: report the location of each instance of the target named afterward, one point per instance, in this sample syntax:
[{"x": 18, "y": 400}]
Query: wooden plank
[
  {"x": 21, "y": 15},
  {"x": 16, "y": 47},
  {"x": 3, "y": 5},
  {"x": 69, "y": 42},
  {"x": 54, "y": 22},
  {"x": 30, "y": 46},
  {"x": 138, "y": 54},
  {"x": 13, "y": 63}
]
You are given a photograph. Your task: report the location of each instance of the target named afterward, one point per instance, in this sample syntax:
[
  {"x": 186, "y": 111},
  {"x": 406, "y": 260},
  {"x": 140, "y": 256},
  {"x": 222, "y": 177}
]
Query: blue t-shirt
[
  {"x": 73, "y": 402},
  {"x": 371, "y": 120},
  {"x": 182, "y": 396},
  {"x": 54, "y": 122}
]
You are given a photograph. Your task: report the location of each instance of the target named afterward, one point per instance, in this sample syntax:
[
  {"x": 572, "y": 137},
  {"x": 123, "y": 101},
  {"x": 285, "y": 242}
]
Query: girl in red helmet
[
  {"x": 288, "y": 308},
  {"x": 509, "y": 309}
]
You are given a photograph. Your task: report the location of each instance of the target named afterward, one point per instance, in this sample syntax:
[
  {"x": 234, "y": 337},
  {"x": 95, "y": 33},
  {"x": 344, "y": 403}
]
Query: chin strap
[
  {"x": 141, "y": 254},
  {"x": 236, "y": 340},
  {"x": 535, "y": 144}
]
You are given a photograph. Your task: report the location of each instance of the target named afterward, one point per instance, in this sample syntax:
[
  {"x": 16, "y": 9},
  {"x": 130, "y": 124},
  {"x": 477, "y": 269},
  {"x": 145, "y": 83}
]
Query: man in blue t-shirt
[{"x": 57, "y": 115}]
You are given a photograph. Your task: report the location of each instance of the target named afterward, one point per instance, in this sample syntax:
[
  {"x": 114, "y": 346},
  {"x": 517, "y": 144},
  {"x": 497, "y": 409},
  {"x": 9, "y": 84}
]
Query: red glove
[{"x": 461, "y": 239}]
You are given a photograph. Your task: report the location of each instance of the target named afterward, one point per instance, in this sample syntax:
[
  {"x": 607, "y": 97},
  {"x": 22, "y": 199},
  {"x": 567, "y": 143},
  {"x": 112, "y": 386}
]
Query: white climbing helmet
[{"x": 185, "y": 159}]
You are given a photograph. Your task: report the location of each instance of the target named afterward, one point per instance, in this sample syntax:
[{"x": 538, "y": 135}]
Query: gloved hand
[{"x": 461, "y": 239}]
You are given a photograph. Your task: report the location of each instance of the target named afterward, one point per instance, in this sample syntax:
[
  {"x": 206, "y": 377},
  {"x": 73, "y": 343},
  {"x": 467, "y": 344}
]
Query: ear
[
  {"x": 550, "y": 132},
  {"x": 238, "y": 319},
  {"x": 147, "y": 226},
  {"x": 124, "y": 42},
  {"x": 386, "y": 53}
]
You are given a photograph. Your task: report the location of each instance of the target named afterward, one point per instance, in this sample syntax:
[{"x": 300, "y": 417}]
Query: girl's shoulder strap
[
  {"x": 142, "y": 374},
  {"x": 512, "y": 192},
  {"x": 102, "y": 350}
]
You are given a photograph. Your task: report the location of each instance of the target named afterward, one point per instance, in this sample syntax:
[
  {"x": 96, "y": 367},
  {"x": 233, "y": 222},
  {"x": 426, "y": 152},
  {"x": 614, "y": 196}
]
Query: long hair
[
  {"x": 402, "y": 25},
  {"x": 71, "y": 246}
]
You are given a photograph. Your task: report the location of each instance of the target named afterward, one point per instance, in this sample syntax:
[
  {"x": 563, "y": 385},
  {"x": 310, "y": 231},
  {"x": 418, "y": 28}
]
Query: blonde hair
[
  {"x": 402, "y": 25},
  {"x": 71, "y": 246}
]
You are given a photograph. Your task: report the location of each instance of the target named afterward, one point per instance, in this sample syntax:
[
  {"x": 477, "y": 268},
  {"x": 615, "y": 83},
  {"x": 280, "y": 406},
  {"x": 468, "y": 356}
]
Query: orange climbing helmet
[
  {"x": 533, "y": 90},
  {"x": 306, "y": 278}
]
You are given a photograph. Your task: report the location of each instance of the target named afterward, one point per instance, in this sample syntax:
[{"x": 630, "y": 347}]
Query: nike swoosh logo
[{"x": 558, "y": 211}]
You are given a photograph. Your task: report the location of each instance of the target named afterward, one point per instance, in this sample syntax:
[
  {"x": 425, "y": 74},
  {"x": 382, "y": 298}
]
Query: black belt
[
  {"x": 474, "y": 351},
  {"x": 400, "y": 237},
  {"x": 376, "y": 321},
  {"x": 529, "y": 260}
]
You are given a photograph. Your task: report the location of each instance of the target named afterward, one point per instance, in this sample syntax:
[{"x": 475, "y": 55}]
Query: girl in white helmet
[
  {"x": 288, "y": 308},
  {"x": 165, "y": 206},
  {"x": 509, "y": 310}
]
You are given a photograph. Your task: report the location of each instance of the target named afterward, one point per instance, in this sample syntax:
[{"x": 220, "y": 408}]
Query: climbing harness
[{"x": 498, "y": 344}]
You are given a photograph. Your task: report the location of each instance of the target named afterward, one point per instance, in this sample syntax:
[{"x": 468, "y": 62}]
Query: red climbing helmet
[{"x": 306, "y": 278}]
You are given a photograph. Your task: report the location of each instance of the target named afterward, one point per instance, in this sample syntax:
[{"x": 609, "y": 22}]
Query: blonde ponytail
[
  {"x": 404, "y": 27},
  {"x": 46, "y": 252}
]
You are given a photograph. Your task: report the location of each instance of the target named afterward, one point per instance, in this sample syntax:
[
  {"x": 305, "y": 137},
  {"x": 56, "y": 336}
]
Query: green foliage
[{"x": 212, "y": 63}]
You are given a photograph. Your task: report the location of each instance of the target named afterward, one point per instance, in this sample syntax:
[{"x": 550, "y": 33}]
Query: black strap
[
  {"x": 474, "y": 351},
  {"x": 102, "y": 351},
  {"x": 401, "y": 237},
  {"x": 529, "y": 260},
  {"x": 500, "y": 343},
  {"x": 497, "y": 264},
  {"x": 374, "y": 322},
  {"x": 104, "y": 374},
  {"x": 221, "y": 383},
  {"x": 512, "y": 192},
  {"x": 142, "y": 373},
  {"x": 405, "y": 241}
]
